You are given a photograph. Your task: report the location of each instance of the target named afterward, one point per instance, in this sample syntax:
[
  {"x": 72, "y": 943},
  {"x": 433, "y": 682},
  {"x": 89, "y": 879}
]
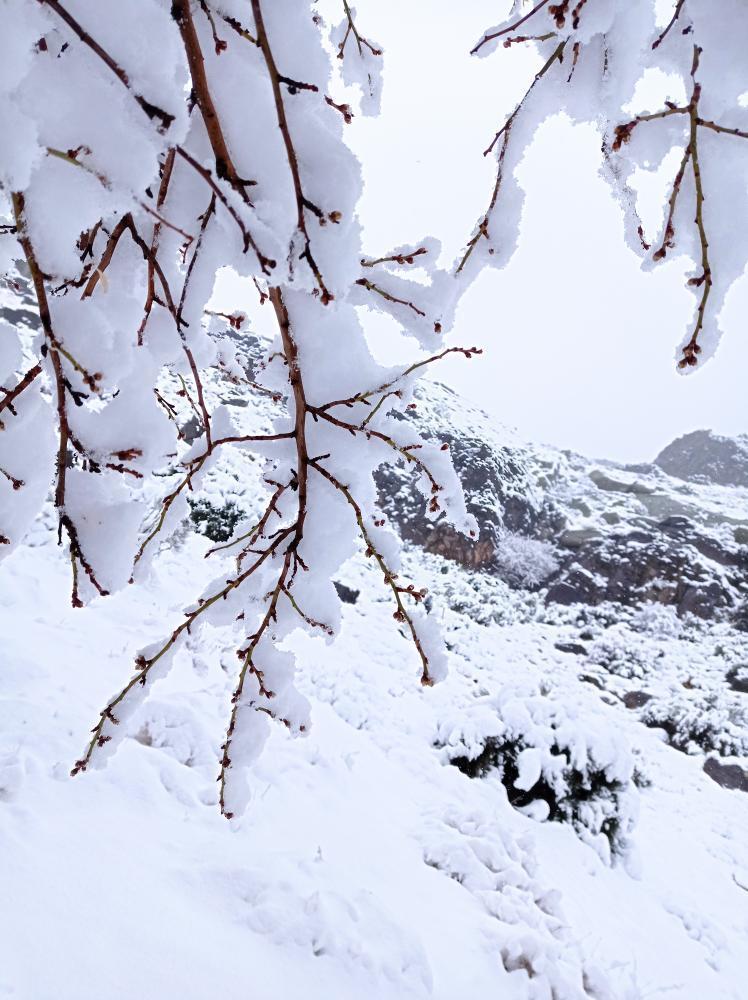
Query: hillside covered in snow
[{"x": 563, "y": 817}]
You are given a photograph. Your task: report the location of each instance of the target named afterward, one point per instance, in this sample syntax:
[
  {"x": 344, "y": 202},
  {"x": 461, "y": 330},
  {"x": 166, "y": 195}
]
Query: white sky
[{"x": 579, "y": 343}]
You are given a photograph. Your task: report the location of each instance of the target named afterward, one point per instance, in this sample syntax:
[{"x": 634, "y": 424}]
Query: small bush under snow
[
  {"x": 216, "y": 523},
  {"x": 555, "y": 764},
  {"x": 700, "y": 721},
  {"x": 660, "y": 621},
  {"x": 620, "y": 652},
  {"x": 525, "y": 562}
]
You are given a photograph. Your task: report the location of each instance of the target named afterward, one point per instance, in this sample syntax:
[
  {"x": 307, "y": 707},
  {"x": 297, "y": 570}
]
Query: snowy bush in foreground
[{"x": 555, "y": 764}]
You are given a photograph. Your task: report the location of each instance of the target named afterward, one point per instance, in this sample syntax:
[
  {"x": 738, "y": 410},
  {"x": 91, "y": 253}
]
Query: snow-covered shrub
[
  {"x": 523, "y": 561},
  {"x": 555, "y": 763},
  {"x": 482, "y": 597},
  {"x": 660, "y": 621},
  {"x": 620, "y": 652},
  {"x": 216, "y": 523},
  {"x": 700, "y": 721}
]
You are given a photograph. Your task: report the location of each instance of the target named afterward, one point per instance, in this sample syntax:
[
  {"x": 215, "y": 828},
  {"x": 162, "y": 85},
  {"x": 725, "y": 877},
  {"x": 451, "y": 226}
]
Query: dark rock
[
  {"x": 727, "y": 775},
  {"x": 606, "y": 481},
  {"x": 737, "y": 678},
  {"x": 346, "y": 594},
  {"x": 713, "y": 550},
  {"x": 740, "y": 618},
  {"x": 676, "y": 525},
  {"x": 611, "y": 517},
  {"x": 741, "y": 534},
  {"x": 571, "y": 647},
  {"x": 577, "y": 587},
  {"x": 707, "y": 456},
  {"x": 638, "y": 537},
  {"x": 192, "y": 430},
  {"x": 591, "y": 679},
  {"x": 626, "y": 569},
  {"x": 499, "y": 491},
  {"x": 636, "y": 699},
  {"x": 573, "y": 538}
]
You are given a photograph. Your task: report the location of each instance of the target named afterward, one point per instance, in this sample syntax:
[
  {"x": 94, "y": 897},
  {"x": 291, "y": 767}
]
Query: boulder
[
  {"x": 573, "y": 538},
  {"x": 727, "y": 775},
  {"x": 704, "y": 456},
  {"x": 636, "y": 699},
  {"x": 575, "y": 648},
  {"x": 605, "y": 481}
]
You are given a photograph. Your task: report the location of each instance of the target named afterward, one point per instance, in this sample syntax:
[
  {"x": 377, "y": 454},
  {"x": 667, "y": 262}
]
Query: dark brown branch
[
  {"x": 704, "y": 280},
  {"x": 723, "y": 129},
  {"x": 106, "y": 257},
  {"x": 302, "y": 202},
  {"x": 163, "y": 188},
  {"x": 291, "y": 558},
  {"x": 237, "y": 27},
  {"x": 404, "y": 451},
  {"x": 669, "y": 232},
  {"x": 557, "y": 53},
  {"x": 371, "y": 287},
  {"x": 361, "y": 42},
  {"x": 344, "y": 109},
  {"x": 6, "y": 403},
  {"x": 482, "y": 230},
  {"x": 46, "y": 321},
  {"x": 144, "y": 666},
  {"x": 363, "y": 397},
  {"x": 225, "y": 168},
  {"x": 507, "y": 31},
  {"x": 623, "y": 133},
  {"x": 663, "y": 35},
  {"x": 503, "y": 134},
  {"x": 54, "y": 350},
  {"x": 266, "y": 263},
  {"x": 399, "y": 258},
  {"x": 401, "y": 613}
]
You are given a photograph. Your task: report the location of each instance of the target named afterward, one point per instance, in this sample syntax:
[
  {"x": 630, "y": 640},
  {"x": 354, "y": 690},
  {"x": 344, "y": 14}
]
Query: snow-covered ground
[{"x": 367, "y": 866}]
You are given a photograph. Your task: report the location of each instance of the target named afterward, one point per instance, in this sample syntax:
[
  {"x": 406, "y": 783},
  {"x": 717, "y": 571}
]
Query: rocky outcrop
[
  {"x": 704, "y": 456},
  {"x": 727, "y": 775},
  {"x": 685, "y": 569},
  {"x": 501, "y": 487},
  {"x": 623, "y": 535}
]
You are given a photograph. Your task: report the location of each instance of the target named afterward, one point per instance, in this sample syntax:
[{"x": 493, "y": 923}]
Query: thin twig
[{"x": 489, "y": 37}]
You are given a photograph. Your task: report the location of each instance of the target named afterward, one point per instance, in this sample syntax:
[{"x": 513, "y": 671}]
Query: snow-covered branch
[
  {"x": 612, "y": 51},
  {"x": 125, "y": 207}
]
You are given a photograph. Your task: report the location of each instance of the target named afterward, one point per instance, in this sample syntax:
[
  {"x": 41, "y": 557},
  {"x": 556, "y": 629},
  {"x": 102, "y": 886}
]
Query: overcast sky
[{"x": 579, "y": 343}]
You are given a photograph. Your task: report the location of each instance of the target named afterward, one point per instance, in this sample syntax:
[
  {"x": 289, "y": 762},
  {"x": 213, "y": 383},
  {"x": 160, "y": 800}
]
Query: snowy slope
[{"x": 367, "y": 865}]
